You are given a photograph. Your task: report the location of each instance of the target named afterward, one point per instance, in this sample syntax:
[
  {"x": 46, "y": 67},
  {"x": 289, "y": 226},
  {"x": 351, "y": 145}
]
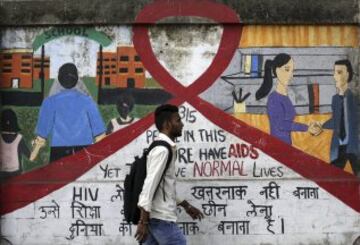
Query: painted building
[
  {"x": 109, "y": 69},
  {"x": 37, "y": 68},
  {"x": 122, "y": 68},
  {"x": 19, "y": 68}
]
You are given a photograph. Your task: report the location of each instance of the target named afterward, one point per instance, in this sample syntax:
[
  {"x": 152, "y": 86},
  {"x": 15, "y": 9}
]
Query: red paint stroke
[
  {"x": 334, "y": 180},
  {"x": 24, "y": 189},
  {"x": 29, "y": 187}
]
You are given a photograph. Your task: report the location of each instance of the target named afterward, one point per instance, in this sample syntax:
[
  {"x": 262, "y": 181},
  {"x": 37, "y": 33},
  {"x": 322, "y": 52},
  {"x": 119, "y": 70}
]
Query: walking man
[{"x": 157, "y": 223}]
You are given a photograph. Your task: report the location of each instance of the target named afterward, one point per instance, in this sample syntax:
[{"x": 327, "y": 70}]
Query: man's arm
[
  {"x": 46, "y": 118},
  {"x": 44, "y": 126},
  {"x": 156, "y": 163},
  {"x": 155, "y": 166},
  {"x": 191, "y": 210},
  {"x": 142, "y": 227},
  {"x": 96, "y": 121}
]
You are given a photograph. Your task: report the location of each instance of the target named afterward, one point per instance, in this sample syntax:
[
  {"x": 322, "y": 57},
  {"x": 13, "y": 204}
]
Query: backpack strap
[{"x": 167, "y": 145}]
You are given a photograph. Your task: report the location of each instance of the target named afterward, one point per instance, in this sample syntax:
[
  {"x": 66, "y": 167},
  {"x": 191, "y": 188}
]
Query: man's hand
[
  {"x": 194, "y": 212},
  {"x": 142, "y": 227},
  {"x": 191, "y": 210},
  {"x": 141, "y": 232}
]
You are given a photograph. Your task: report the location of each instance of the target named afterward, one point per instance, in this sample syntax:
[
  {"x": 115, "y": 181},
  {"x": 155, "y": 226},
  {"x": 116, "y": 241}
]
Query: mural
[
  {"x": 104, "y": 77},
  {"x": 270, "y": 145}
]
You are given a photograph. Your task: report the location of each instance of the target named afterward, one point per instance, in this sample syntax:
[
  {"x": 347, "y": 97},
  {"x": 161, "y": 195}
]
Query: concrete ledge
[{"x": 89, "y": 12}]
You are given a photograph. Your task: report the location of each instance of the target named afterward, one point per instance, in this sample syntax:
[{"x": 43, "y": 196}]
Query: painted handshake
[{"x": 315, "y": 128}]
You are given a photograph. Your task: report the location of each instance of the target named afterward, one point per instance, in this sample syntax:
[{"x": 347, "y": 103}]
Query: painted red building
[
  {"x": 109, "y": 69},
  {"x": 122, "y": 68},
  {"x": 19, "y": 68},
  {"x": 37, "y": 68}
]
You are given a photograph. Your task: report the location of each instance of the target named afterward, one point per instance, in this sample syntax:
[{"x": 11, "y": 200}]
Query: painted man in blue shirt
[{"x": 70, "y": 119}]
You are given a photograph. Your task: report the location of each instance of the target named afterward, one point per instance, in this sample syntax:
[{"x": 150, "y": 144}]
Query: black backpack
[{"x": 134, "y": 182}]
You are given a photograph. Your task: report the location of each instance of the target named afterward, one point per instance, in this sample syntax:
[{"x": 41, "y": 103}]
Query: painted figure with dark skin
[
  {"x": 12, "y": 146},
  {"x": 124, "y": 106},
  {"x": 157, "y": 223}
]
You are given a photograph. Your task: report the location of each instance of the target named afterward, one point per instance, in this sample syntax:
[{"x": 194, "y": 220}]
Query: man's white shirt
[{"x": 156, "y": 163}]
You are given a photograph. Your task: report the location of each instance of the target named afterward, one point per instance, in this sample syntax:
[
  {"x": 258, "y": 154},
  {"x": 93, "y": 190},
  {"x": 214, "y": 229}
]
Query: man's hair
[
  {"x": 68, "y": 75},
  {"x": 163, "y": 113},
  {"x": 348, "y": 67}
]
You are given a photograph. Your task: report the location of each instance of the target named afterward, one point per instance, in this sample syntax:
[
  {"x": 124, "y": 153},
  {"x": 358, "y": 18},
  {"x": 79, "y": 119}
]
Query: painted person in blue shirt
[{"x": 70, "y": 119}]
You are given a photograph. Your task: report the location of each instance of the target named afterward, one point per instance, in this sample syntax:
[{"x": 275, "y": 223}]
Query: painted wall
[{"x": 252, "y": 187}]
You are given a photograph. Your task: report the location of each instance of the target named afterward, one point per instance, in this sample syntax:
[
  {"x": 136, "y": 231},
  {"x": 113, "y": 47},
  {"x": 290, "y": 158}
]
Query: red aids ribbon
[
  {"x": 342, "y": 185},
  {"x": 29, "y": 187}
]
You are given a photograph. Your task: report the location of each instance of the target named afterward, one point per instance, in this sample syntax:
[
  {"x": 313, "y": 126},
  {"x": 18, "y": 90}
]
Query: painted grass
[{"x": 152, "y": 83}]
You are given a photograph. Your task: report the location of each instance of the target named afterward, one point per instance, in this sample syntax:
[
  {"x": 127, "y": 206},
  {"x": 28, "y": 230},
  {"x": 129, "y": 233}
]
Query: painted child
[
  {"x": 124, "y": 106},
  {"x": 12, "y": 145}
]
